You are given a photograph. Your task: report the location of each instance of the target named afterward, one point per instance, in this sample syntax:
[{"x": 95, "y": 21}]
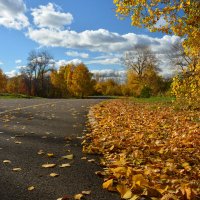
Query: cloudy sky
[{"x": 71, "y": 31}]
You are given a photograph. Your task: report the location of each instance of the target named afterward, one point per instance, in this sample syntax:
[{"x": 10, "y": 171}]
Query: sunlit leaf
[
  {"x": 50, "y": 154},
  {"x": 31, "y": 188},
  {"x": 17, "y": 169},
  {"x": 108, "y": 184},
  {"x": 54, "y": 175},
  {"x": 78, "y": 196},
  {"x": 48, "y": 165},
  {"x": 6, "y": 161},
  {"x": 64, "y": 165},
  {"x": 69, "y": 157}
]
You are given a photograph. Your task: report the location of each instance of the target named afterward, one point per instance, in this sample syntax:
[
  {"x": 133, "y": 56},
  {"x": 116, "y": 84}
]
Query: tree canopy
[{"x": 179, "y": 17}]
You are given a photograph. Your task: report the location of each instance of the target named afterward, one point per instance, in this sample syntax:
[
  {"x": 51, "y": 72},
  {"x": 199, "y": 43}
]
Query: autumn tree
[
  {"x": 108, "y": 86},
  {"x": 61, "y": 80},
  {"x": 72, "y": 80},
  {"x": 17, "y": 85},
  {"x": 179, "y": 17},
  {"x": 3, "y": 81},
  {"x": 81, "y": 82},
  {"x": 143, "y": 69},
  {"x": 139, "y": 60}
]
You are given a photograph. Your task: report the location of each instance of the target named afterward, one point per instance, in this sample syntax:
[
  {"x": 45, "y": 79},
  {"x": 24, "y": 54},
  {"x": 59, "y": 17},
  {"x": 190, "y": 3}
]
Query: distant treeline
[{"x": 41, "y": 78}]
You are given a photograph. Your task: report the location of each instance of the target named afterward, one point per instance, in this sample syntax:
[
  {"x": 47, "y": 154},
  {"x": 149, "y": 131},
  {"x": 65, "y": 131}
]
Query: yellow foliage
[{"x": 182, "y": 18}]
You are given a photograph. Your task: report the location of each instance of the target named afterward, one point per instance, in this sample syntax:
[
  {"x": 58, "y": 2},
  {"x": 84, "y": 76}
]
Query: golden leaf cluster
[
  {"x": 147, "y": 149},
  {"x": 178, "y": 17}
]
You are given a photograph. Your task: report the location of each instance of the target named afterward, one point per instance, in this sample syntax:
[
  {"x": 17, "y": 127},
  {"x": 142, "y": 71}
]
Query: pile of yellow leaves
[{"x": 148, "y": 150}]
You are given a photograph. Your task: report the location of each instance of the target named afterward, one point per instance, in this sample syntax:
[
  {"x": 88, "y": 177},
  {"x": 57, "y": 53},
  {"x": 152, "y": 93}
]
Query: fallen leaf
[
  {"x": 6, "y": 161},
  {"x": 108, "y": 184},
  {"x": 135, "y": 197},
  {"x": 31, "y": 188},
  {"x": 124, "y": 191},
  {"x": 64, "y": 165},
  {"x": 50, "y": 154},
  {"x": 54, "y": 175},
  {"x": 40, "y": 152},
  {"x": 91, "y": 160},
  {"x": 18, "y": 142},
  {"x": 78, "y": 196},
  {"x": 69, "y": 157},
  {"x": 127, "y": 195},
  {"x": 48, "y": 165},
  {"x": 16, "y": 169},
  {"x": 86, "y": 192}
]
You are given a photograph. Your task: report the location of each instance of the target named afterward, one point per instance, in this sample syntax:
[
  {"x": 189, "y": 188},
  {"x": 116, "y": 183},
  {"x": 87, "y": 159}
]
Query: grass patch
[
  {"x": 15, "y": 96},
  {"x": 160, "y": 99}
]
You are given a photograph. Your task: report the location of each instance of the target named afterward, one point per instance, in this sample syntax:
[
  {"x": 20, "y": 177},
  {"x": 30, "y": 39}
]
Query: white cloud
[
  {"x": 11, "y": 74},
  {"x": 1, "y": 63},
  {"x": 12, "y": 14},
  {"x": 21, "y": 67},
  {"x": 77, "y": 54},
  {"x": 18, "y": 61},
  {"x": 107, "y": 61},
  {"x": 50, "y": 16},
  {"x": 100, "y": 40},
  {"x": 66, "y": 62}
]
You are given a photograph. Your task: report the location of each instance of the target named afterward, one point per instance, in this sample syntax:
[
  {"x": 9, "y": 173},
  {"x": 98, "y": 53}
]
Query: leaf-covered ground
[{"x": 149, "y": 151}]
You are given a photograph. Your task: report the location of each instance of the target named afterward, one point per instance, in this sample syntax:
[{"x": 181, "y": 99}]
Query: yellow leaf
[
  {"x": 186, "y": 166},
  {"x": 64, "y": 165},
  {"x": 31, "y": 188},
  {"x": 91, "y": 160},
  {"x": 18, "y": 142},
  {"x": 86, "y": 192},
  {"x": 135, "y": 197},
  {"x": 188, "y": 192},
  {"x": 50, "y": 154},
  {"x": 112, "y": 147},
  {"x": 139, "y": 180},
  {"x": 124, "y": 191},
  {"x": 6, "y": 161},
  {"x": 127, "y": 195},
  {"x": 54, "y": 175},
  {"x": 119, "y": 170},
  {"x": 78, "y": 196},
  {"x": 69, "y": 157},
  {"x": 48, "y": 165},
  {"x": 108, "y": 184},
  {"x": 17, "y": 169}
]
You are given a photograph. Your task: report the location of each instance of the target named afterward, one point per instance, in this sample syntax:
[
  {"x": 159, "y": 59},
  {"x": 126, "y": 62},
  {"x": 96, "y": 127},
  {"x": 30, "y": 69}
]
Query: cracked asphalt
[{"x": 28, "y": 126}]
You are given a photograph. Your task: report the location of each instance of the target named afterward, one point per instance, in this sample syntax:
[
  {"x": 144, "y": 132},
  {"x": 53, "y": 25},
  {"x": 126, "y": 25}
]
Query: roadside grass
[
  {"x": 157, "y": 99},
  {"x": 15, "y": 96}
]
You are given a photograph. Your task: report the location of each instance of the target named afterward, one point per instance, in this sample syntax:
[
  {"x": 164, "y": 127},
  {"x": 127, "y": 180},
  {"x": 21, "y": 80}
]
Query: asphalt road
[{"x": 28, "y": 126}]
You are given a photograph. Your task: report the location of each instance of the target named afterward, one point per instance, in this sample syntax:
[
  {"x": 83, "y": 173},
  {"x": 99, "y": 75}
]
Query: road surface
[{"x": 32, "y": 128}]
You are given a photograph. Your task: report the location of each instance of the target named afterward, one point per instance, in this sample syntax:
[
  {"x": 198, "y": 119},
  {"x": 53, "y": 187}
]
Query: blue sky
[{"x": 71, "y": 31}]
